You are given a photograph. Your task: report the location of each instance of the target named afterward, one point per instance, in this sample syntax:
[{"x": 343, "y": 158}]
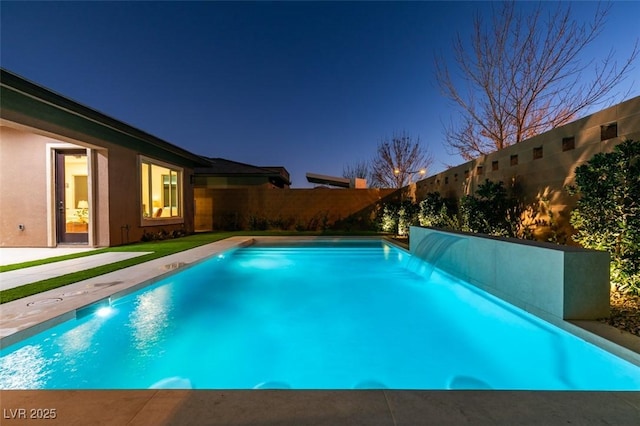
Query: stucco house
[{"x": 72, "y": 175}]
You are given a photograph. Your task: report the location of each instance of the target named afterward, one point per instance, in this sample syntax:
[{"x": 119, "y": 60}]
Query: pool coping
[{"x": 25, "y": 317}]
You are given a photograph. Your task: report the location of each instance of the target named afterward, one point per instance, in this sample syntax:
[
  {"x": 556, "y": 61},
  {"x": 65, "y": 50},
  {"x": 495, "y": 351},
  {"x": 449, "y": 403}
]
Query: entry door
[{"x": 72, "y": 197}]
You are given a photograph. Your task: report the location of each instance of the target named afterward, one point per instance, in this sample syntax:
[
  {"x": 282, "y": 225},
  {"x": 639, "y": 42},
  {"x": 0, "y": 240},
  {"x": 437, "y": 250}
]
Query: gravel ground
[{"x": 625, "y": 313}]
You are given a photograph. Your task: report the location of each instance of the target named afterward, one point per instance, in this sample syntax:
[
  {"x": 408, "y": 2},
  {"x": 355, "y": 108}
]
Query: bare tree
[
  {"x": 525, "y": 77},
  {"x": 398, "y": 160},
  {"x": 359, "y": 169}
]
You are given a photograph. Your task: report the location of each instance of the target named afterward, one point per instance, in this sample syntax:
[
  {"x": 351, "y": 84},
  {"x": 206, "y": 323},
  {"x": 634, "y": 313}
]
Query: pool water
[{"x": 352, "y": 315}]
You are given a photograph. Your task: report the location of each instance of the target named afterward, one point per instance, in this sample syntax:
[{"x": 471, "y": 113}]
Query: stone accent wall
[{"x": 301, "y": 209}]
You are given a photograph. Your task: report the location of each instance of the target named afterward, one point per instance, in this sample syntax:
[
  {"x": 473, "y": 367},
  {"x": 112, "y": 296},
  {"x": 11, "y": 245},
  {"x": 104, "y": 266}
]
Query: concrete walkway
[
  {"x": 24, "y": 276},
  {"x": 12, "y": 255}
]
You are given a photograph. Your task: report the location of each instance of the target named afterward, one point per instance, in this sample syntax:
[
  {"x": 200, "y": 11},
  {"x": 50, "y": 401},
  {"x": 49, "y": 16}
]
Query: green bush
[
  {"x": 389, "y": 217},
  {"x": 494, "y": 209},
  {"x": 407, "y": 216},
  {"x": 607, "y": 215},
  {"x": 438, "y": 212},
  {"x": 491, "y": 211},
  {"x": 397, "y": 217},
  {"x": 258, "y": 223}
]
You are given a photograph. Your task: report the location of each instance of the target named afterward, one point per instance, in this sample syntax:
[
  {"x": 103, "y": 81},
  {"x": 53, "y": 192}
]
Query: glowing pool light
[{"x": 104, "y": 311}]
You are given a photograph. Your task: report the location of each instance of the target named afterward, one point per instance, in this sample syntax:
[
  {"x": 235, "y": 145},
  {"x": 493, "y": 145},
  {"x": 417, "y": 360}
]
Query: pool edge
[{"x": 589, "y": 331}]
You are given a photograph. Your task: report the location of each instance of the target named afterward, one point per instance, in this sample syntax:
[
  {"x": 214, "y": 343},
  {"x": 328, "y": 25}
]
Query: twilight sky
[{"x": 310, "y": 86}]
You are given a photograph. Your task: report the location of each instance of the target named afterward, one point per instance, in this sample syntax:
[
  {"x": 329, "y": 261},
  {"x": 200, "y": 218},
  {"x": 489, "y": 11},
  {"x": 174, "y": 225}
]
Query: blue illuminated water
[{"x": 338, "y": 316}]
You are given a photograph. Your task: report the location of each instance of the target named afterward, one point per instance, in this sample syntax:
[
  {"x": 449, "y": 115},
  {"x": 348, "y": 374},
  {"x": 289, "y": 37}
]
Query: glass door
[{"x": 72, "y": 197}]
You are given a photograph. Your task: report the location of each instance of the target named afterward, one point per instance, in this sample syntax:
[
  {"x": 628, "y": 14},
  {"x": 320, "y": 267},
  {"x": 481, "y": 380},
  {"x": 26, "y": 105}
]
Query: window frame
[{"x": 179, "y": 171}]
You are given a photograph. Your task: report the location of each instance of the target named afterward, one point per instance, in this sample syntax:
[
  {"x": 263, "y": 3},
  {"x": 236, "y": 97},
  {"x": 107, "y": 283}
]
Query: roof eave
[{"x": 22, "y": 98}]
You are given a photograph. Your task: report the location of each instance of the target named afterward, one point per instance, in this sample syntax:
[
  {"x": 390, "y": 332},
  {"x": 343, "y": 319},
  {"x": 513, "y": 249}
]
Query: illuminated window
[{"x": 160, "y": 190}]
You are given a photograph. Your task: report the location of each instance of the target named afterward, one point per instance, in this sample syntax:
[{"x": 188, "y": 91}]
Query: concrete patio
[
  {"x": 276, "y": 407},
  {"x": 11, "y": 255}
]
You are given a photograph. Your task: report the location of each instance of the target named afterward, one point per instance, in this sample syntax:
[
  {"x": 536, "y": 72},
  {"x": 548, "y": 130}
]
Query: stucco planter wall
[{"x": 562, "y": 281}]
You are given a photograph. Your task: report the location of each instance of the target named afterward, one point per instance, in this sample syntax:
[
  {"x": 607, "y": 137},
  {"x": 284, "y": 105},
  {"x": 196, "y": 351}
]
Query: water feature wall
[{"x": 542, "y": 278}]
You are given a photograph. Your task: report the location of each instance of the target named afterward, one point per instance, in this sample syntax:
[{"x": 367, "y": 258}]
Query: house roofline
[
  {"x": 260, "y": 170},
  {"x": 25, "y": 88}
]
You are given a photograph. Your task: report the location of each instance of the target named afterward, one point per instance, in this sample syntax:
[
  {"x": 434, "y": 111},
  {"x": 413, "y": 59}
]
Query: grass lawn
[{"x": 157, "y": 249}]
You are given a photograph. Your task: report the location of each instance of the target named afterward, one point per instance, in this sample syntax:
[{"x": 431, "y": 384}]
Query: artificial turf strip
[
  {"x": 198, "y": 239},
  {"x": 159, "y": 249}
]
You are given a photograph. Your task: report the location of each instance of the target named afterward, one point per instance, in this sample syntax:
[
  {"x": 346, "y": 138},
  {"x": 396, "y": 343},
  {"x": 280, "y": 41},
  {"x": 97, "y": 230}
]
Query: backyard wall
[
  {"x": 542, "y": 278},
  {"x": 301, "y": 209},
  {"x": 544, "y": 165}
]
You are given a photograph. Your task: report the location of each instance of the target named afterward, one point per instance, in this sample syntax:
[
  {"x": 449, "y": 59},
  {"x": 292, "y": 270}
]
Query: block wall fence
[
  {"x": 545, "y": 164},
  {"x": 302, "y": 209},
  {"x": 541, "y": 166}
]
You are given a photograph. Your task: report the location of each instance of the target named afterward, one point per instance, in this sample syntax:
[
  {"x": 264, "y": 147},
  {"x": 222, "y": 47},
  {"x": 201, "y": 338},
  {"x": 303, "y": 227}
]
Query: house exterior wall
[
  {"x": 126, "y": 223},
  {"x": 23, "y": 188},
  {"x": 542, "y": 178},
  {"x": 238, "y": 208},
  {"x": 115, "y": 212},
  {"x": 36, "y": 122}
]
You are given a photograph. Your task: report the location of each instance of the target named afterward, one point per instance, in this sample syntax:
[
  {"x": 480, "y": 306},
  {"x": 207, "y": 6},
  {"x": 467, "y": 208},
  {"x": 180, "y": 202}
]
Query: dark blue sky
[{"x": 309, "y": 86}]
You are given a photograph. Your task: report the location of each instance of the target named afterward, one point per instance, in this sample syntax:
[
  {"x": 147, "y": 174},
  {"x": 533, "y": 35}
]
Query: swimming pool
[{"x": 327, "y": 315}]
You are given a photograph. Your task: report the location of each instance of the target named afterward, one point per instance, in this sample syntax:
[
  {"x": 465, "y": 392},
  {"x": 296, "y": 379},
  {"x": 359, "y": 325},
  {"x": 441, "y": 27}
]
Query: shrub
[
  {"x": 438, "y": 212},
  {"x": 282, "y": 223},
  {"x": 162, "y": 235},
  {"x": 607, "y": 214},
  {"x": 407, "y": 216},
  {"x": 397, "y": 217},
  {"x": 491, "y": 211},
  {"x": 258, "y": 223},
  {"x": 389, "y": 218}
]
